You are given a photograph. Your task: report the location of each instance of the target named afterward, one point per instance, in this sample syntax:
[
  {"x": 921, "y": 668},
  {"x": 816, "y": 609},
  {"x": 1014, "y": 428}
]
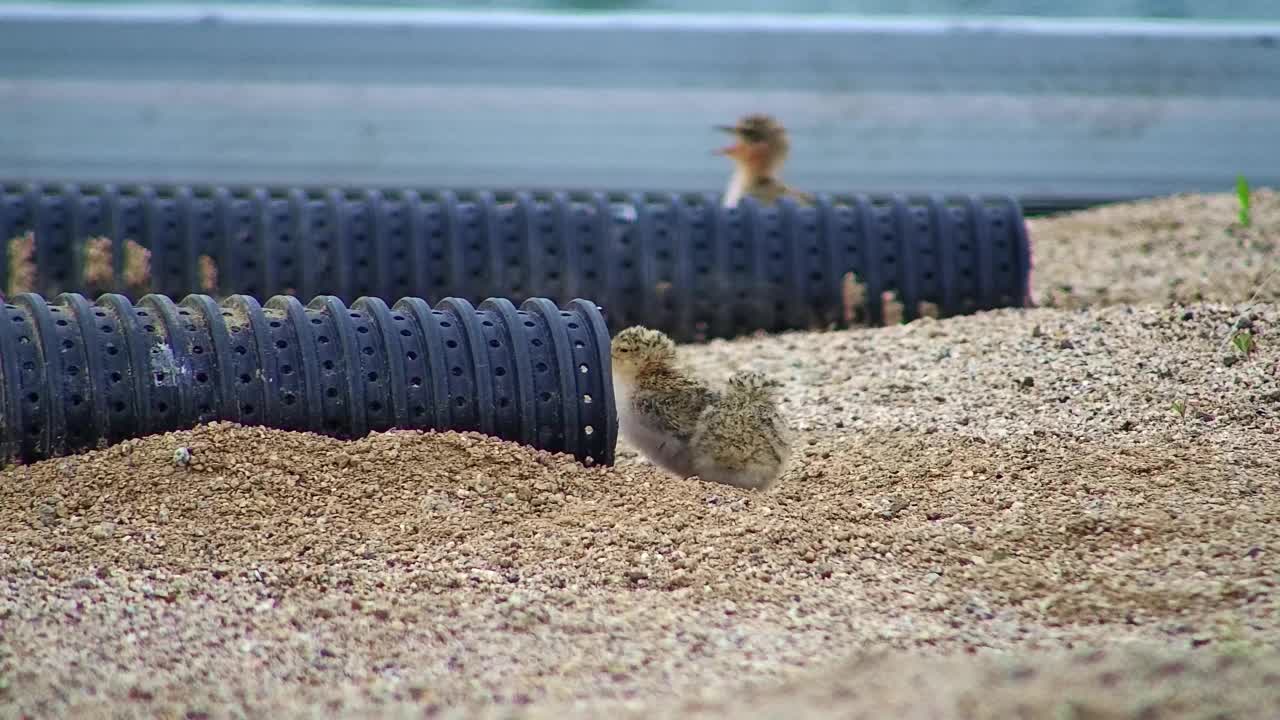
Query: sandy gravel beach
[{"x": 1066, "y": 512}]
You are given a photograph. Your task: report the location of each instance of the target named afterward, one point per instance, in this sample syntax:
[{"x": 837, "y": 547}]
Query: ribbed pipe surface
[
  {"x": 75, "y": 374},
  {"x": 680, "y": 264}
]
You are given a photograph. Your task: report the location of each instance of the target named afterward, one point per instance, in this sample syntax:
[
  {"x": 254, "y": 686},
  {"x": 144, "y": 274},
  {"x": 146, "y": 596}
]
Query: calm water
[
  {"x": 1235, "y": 10},
  {"x": 1179, "y": 9}
]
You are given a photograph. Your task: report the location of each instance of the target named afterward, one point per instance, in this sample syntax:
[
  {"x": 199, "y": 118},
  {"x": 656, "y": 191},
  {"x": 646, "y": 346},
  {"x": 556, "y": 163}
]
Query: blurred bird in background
[{"x": 758, "y": 153}]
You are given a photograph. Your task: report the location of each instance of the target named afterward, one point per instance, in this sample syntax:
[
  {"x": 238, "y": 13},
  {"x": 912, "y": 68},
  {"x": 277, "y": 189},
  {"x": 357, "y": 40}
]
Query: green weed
[
  {"x": 1242, "y": 193},
  {"x": 1244, "y": 343}
]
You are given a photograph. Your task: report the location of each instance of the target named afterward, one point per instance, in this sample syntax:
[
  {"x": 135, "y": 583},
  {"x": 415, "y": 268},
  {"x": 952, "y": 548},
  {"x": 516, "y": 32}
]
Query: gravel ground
[
  {"x": 1066, "y": 512},
  {"x": 1179, "y": 249}
]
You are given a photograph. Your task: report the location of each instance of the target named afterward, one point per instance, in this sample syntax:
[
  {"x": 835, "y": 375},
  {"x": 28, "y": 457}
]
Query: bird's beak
[{"x": 729, "y": 150}]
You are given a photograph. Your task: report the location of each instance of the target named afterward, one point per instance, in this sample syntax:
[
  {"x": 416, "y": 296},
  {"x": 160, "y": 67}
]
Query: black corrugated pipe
[
  {"x": 681, "y": 264},
  {"x": 74, "y": 374}
]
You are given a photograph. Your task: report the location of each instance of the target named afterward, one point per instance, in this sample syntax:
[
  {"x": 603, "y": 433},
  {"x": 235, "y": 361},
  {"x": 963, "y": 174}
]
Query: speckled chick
[
  {"x": 658, "y": 403},
  {"x": 741, "y": 439},
  {"x": 735, "y": 437}
]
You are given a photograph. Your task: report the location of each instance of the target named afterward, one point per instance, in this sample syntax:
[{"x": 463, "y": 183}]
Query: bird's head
[
  {"x": 760, "y": 144},
  {"x": 637, "y": 349}
]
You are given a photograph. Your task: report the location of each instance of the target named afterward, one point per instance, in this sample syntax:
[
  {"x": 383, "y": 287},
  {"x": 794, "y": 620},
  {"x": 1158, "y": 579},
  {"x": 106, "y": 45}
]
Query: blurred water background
[
  {"x": 1060, "y": 112},
  {"x": 1232, "y": 10}
]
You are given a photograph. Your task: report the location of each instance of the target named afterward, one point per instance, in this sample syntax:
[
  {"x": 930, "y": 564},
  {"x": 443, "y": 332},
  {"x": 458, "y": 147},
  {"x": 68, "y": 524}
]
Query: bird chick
[
  {"x": 658, "y": 403},
  {"x": 741, "y": 439},
  {"x": 683, "y": 426},
  {"x": 758, "y": 154}
]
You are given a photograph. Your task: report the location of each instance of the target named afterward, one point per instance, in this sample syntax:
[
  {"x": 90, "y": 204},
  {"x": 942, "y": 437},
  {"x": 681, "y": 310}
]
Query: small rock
[
  {"x": 102, "y": 531},
  {"x": 931, "y": 578},
  {"x": 181, "y": 456},
  {"x": 84, "y": 583},
  {"x": 484, "y": 575},
  {"x": 1230, "y": 360},
  {"x": 1065, "y": 344},
  {"x": 938, "y": 601},
  {"x": 891, "y": 506},
  {"x": 48, "y": 515}
]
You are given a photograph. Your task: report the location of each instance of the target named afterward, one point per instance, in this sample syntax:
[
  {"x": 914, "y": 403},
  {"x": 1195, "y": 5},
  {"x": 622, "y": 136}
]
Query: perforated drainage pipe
[
  {"x": 74, "y": 374},
  {"x": 681, "y": 264}
]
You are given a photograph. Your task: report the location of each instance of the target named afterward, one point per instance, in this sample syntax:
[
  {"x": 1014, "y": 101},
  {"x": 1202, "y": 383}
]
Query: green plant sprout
[
  {"x": 1242, "y": 193},
  {"x": 1244, "y": 342},
  {"x": 1180, "y": 407}
]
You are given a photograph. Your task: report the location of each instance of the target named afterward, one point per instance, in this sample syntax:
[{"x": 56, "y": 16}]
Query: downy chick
[
  {"x": 758, "y": 156},
  {"x": 683, "y": 426},
  {"x": 741, "y": 439},
  {"x": 658, "y": 403}
]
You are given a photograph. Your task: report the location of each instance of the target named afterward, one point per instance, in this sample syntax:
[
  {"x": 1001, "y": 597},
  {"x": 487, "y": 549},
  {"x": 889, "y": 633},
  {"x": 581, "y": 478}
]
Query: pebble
[{"x": 103, "y": 531}]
